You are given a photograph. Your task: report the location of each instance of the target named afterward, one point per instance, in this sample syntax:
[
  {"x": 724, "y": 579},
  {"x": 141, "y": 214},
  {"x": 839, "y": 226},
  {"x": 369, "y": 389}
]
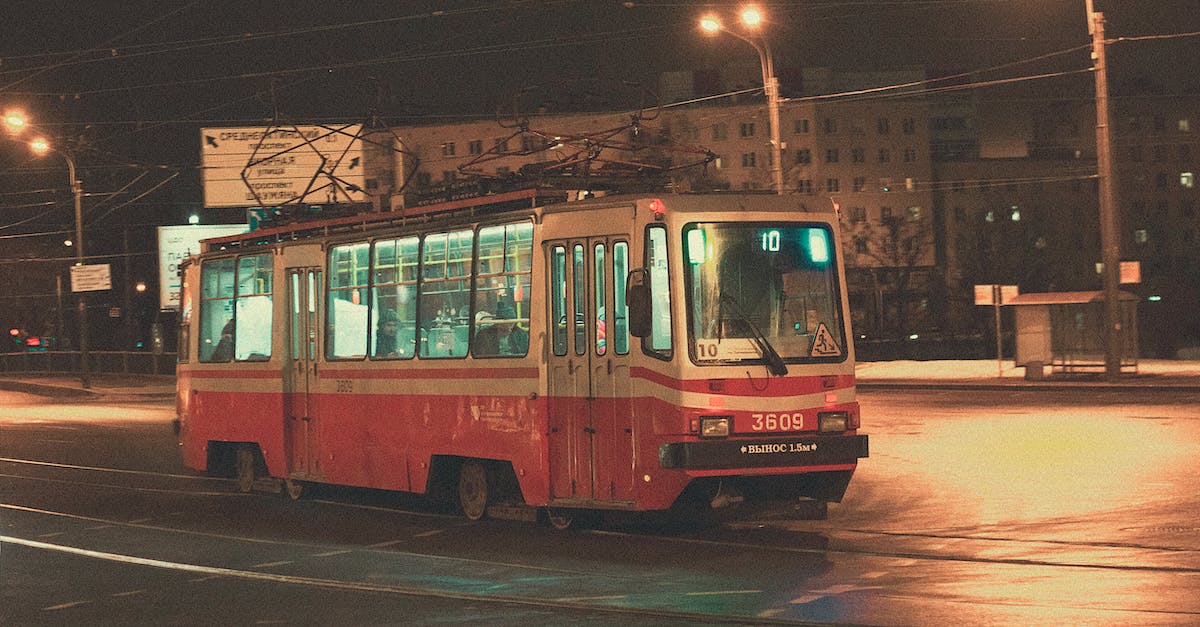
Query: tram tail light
[
  {"x": 833, "y": 421},
  {"x": 715, "y": 426}
]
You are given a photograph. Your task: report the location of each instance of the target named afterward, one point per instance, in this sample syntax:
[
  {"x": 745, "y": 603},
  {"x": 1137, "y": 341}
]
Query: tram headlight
[
  {"x": 715, "y": 426},
  {"x": 833, "y": 421}
]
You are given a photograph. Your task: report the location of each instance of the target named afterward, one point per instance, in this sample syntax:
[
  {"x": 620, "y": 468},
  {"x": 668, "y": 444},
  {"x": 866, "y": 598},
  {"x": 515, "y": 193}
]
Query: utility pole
[{"x": 1109, "y": 243}]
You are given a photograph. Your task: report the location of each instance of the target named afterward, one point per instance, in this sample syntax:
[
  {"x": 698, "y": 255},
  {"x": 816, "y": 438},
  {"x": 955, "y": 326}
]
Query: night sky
[{"x": 134, "y": 80}]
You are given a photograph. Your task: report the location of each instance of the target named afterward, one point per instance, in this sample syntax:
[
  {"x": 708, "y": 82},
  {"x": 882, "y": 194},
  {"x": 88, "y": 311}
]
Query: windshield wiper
[{"x": 774, "y": 363}]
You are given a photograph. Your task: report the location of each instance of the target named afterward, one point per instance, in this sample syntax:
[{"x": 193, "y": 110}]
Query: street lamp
[
  {"x": 752, "y": 19},
  {"x": 41, "y": 146}
]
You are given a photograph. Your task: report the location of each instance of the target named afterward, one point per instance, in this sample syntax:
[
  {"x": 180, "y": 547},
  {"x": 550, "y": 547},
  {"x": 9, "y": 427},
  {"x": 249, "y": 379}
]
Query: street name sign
[
  {"x": 281, "y": 165},
  {"x": 95, "y": 277}
]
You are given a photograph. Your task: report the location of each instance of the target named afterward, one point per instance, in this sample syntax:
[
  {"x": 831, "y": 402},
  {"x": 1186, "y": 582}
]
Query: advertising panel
[{"x": 175, "y": 243}]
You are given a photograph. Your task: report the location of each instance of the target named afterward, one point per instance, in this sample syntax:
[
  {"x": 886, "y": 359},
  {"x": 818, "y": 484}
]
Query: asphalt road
[{"x": 978, "y": 508}]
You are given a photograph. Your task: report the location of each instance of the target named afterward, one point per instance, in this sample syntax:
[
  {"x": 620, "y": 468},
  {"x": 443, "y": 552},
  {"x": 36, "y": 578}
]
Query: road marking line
[
  {"x": 720, "y": 592},
  {"x": 64, "y": 606},
  {"x": 332, "y": 553},
  {"x": 129, "y": 594},
  {"x": 334, "y": 584},
  {"x": 426, "y": 534},
  {"x": 271, "y": 564},
  {"x": 615, "y": 597},
  {"x": 51, "y": 535},
  {"x": 113, "y": 470}
]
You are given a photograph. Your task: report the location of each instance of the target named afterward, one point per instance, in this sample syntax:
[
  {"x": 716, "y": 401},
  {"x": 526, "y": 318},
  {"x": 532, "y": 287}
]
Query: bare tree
[{"x": 896, "y": 253}]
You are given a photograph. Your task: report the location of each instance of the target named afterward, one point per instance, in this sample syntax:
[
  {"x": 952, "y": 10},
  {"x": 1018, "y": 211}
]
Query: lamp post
[
  {"x": 1114, "y": 344},
  {"x": 752, "y": 19},
  {"x": 42, "y": 146}
]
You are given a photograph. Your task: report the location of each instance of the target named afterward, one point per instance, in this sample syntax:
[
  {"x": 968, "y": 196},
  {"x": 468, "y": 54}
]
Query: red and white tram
[{"x": 621, "y": 353}]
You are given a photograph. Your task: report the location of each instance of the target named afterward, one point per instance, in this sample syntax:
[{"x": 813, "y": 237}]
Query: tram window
[
  {"x": 253, "y": 308},
  {"x": 346, "y": 315},
  {"x": 216, "y": 310},
  {"x": 445, "y": 291},
  {"x": 658, "y": 343},
  {"x": 394, "y": 298},
  {"x": 558, "y": 299},
  {"x": 579, "y": 287},
  {"x": 598, "y": 262},
  {"x": 620, "y": 315},
  {"x": 502, "y": 273}
]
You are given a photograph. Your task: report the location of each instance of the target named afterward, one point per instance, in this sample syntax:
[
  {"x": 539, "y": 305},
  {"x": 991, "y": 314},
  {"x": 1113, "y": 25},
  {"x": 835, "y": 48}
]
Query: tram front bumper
[{"x": 817, "y": 450}]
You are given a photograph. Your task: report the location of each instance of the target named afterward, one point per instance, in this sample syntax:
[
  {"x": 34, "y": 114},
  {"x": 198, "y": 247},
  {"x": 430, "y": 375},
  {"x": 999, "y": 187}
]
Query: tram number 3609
[{"x": 777, "y": 422}]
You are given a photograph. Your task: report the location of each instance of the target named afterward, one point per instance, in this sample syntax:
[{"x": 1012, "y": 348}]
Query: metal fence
[{"x": 99, "y": 362}]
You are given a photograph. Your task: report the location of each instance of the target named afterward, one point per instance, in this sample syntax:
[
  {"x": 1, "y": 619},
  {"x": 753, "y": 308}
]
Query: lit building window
[
  {"x": 1184, "y": 126},
  {"x": 1187, "y": 179},
  {"x": 1140, "y": 236},
  {"x": 448, "y": 149}
]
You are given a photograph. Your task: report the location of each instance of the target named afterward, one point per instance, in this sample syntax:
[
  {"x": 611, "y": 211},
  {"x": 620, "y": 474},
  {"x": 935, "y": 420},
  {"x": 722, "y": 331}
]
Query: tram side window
[
  {"x": 620, "y": 318},
  {"x": 346, "y": 315},
  {"x": 394, "y": 298},
  {"x": 253, "y": 308},
  {"x": 445, "y": 294},
  {"x": 503, "y": 266},
  {"x": 558, "y": 299},
  {"x": 658, "y": 343},
  {"x": 216, "y": 311}
]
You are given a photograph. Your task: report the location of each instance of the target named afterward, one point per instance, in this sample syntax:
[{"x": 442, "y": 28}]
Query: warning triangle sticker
[{"x": 823, "y": 344}]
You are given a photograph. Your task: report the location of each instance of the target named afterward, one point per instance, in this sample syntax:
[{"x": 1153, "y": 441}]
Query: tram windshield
[{"x": 758, "y": 288}]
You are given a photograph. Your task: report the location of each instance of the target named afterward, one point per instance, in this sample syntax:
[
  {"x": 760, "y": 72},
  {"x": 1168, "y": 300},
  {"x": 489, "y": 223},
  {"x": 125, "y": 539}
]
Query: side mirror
[{"x": 637, "y": 298}]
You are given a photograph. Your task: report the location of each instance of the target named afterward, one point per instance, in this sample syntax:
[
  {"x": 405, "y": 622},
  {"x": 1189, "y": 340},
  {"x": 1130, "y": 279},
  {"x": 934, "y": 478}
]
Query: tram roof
[{"x": 525, "y": 199}]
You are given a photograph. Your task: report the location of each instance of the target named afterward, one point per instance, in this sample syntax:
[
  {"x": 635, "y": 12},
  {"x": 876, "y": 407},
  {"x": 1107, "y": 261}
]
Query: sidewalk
[
  {"x": 109, "y": 388},
  {"x": 987, "y": 374},
  {"x": 981, "y": 374}
]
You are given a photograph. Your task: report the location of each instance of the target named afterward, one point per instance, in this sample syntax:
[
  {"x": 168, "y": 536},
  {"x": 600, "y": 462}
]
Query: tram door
[
  {"x": 588, "y": 363},
  {"x": 300, "y": 372}
]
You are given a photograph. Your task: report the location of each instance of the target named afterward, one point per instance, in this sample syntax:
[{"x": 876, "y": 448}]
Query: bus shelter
[{"x": 1065, "y": 330}]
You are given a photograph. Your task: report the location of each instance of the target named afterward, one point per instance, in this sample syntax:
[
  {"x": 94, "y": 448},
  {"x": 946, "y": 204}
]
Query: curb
[
  {"x": 1025, "y": 386},
  {"x": 47, "y": 390}
]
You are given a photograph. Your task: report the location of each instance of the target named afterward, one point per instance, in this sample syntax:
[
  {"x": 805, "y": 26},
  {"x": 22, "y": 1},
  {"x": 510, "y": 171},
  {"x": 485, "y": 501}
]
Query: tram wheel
[
  {"x": 473, "y": 489},
  {"x": 293, "y": 488},
  {"x": 244, "y": 466},
  {"x": 560, "y": 519}
]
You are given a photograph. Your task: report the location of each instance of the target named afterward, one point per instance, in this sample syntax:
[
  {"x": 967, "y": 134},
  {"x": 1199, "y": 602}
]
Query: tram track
[
  {"x": 614, "y": 594},
  {"x": 842, "y": 534}
]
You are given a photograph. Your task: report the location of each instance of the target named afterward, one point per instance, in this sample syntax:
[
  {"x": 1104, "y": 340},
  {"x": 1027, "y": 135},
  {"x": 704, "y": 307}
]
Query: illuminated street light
[
  {"x": 15, "y": 121},
  {"x": 40, "y": 145},
  {"x": 752, "y": 19}
]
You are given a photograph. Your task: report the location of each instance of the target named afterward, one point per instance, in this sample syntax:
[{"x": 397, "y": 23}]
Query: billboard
[
  {"x": 175, "y": 243},
  {"x": 281, "y": 165}
]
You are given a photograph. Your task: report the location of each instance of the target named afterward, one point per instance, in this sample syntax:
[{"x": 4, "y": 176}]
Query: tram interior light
[
  {"x": 818, "y": 246},
  {"x": 697, "y": 248}
]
